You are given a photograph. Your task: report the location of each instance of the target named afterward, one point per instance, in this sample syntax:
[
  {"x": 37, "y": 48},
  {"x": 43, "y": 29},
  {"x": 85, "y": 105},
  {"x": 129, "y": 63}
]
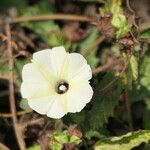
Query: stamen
[{"x": 62, "y": 87}]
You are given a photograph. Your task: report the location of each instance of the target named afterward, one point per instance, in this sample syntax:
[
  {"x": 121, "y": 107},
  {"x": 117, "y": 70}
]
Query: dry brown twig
[
  {"x": 3, "y": 147},
  {"x": 106, "y": 66},
  {"x": 19, "y": 113},
  {"x": 31, "y": 122},
  {"x": 16, "y": 126},
  {"x": 48, "y": 17}
]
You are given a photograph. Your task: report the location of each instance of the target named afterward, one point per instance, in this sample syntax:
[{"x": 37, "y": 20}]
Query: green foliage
[
  {"x": 107, "y": 86},
  {"x": 49, "y": 31},
  {"x": 145, "y": 34},
  {"x": 140, "y": 87},
  {"x": 18, "y": 64},
  {"x": 85, "y": 44},
  {"x": 119, "y": 20},
  {"x": 125, "y": 142},
  {"x": 4, "y": 5},
  {"x": 147, "y": 147},
  {"x": 105, "y": 101},
  {"x": 145, "y": 72},
  {"x": 146, "y": 116},
  {"x": 34, "y": 147},
  {"x": 134, "y": 67},
  {"x": 57, "y": 139},
  {"x": 93, "y": 133}
]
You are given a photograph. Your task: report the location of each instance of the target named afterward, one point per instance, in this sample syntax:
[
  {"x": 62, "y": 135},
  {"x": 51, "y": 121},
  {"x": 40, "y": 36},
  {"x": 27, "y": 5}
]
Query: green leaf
[
  {"x": 57, "y": 146},
  {"x": 147, "y": 147},
  {"x": 61, "y": 137},
  {"x": 134, "y": 67},
  {"x": 146, "y": 115},
  {"x": 118, "y": 20},
  {"x": 145, "y": 72},
  {"x": 85, "y": 44},
  {"x": 145, "y": 34},
  {"x": 4, "y": 5},
  {"x": 92, "y": 133},
  {"x": 125, "y": 142},
  {"x": 48, "y": 30},
  {"x": 57, "y": 139},
  {"x": 18, "y": 64},
  {"x": 75, "y": 140},
  {"x": 105, "y": 101},
  {"x": 35, "y": 147}
]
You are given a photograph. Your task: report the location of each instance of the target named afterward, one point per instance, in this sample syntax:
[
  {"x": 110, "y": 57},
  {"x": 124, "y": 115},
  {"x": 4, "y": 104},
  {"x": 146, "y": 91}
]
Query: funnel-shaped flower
[{"x": 56, "y": 82}]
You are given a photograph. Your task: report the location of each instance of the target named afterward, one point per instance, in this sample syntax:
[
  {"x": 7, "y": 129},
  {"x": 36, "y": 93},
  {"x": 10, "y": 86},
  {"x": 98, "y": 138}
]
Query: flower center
[{"x": 62, "y": 87}]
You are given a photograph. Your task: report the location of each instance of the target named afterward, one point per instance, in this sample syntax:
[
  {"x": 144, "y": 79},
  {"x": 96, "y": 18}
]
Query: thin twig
[
  {"x": 133, "y": 12},
  {"x": 4, "y": 77},
  {"x": 21, "y": 53},
  {"x": 31, "y": 122},
  {"x": 102, "y": 68},
  {"x": 109, "y": 85},
  {"x": 17, "y": 128},
  {"x": 3, "y": 147},
  {"x": 106, "y": 66},
  {"x": 94, "y": 45},
  {"x": 128, "y": 106},
  {"x": 128, "y": 6},
  {"x": 19, "y": 113},
  {"x": 49, "y": 17}
]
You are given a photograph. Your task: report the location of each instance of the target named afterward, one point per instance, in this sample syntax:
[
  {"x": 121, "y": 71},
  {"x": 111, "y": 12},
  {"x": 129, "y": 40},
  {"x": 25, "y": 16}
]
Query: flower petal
[
  {"x": 34, "y": 84},
  {"x": 41, "y": 105},
  {"x": 79, "y": 69},
  {"x": 31, "y": 73},
  {"x": 79, "y": 96},
  {"x": 51, "y": 59},
  {"x": 31, "y": 90},
  {"x": 57, "y": 109}
]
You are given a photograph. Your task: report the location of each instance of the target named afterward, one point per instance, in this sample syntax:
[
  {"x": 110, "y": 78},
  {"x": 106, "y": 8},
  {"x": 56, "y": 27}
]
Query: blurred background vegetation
[{"x": 116, "y": 45}]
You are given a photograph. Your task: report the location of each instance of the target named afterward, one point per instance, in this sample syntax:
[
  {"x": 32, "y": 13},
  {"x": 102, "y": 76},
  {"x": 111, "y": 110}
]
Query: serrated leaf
[
  {"x": 61, "y": 137},
  {"x": 75, "y": 140},
  {"x": 104, "y": 104},
  {"x": 134, "y": 67},
  {"x": 58, "y": 139},
  {"x": 119, "y": 20},
  {"x": 125, "y": 142}
]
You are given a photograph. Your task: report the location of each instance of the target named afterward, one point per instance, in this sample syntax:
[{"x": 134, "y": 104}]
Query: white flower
[{"x": 56, "y": 82}]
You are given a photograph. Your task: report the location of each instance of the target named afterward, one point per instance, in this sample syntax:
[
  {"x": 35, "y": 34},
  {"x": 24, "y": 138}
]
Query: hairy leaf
[
  {"x": 105, "y": 101},
  {"x": 125, "y": 142}
]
